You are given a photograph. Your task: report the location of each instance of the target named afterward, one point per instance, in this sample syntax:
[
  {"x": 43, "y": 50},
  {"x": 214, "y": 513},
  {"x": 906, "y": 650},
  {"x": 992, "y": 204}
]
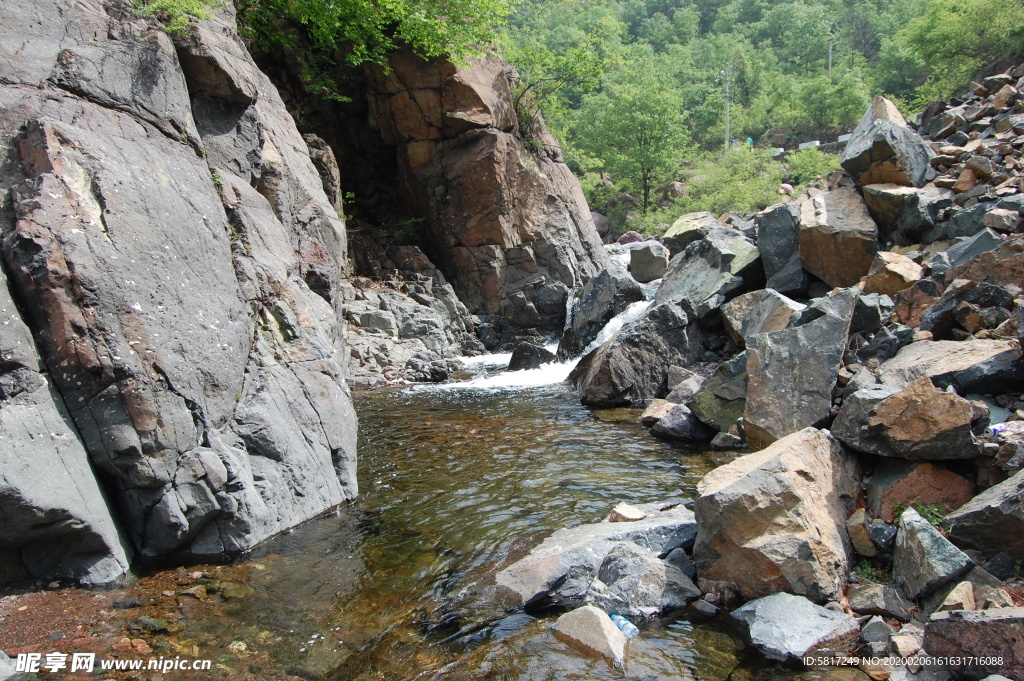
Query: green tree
[{"x": 635, "y": 125}]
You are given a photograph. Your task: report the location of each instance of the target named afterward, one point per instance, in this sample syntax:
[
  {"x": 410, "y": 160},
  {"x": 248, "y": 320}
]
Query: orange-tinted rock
[
  {"x": 901, "y": 484},
  {"x": 911, "y": 303},
  {"x": 1002, "y": 267},
  {"x": 966, "y": 181},
  {"x": 891, "y": 273},
  {"x": 838, "y": 238},
  {"x": 884, "y": 150}
]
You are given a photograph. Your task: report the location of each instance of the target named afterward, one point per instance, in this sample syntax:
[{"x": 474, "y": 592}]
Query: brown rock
[
  {"x": 775, "y": 520},
  {"x": 891, "y": 273},
  {"x": 838, "y": 238},
  {"x": 993, "y": 635},
  {"x": 966, "y": 181},
  {"x": 910, "y": 304},
  {"x": 656, "y": 409},
  {"x": 883, "y": 149},
  {"x": 901, "y": 484},
  {"x": 960, "y": 598},
  {"x": 967, "y": 365},
  {"x": 1002, "y": 267},
  {"x": 860, "y": 537},
  {"x": 1001, "y": 220},
  {"x": 625, "y": 513},
  {"x": 1006, "y": 96}
]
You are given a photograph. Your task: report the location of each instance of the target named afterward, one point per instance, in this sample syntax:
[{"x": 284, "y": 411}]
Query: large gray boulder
[
  {"x": 884, "y": 150},
  {"x": 993, "y": 521},
  {"x": 200, "y": 371},
  {"x": 791, "y": 373},
  {"x": 787, "y": 628},
  {"x": 632, "y": 367},
  {"x": 635, "y": 583},
  {"x": 560, "y": 570},
  {"x": 778, "y": 241},
  {"x": 593, "y": 306},
  {"x": 905, "y": 214},
  {"x": 708, "y": 271},
  {"x": 775, "y": 520},
  {"x": 923, "y": 559},
  {"x": 648, "y": 261},
  {"x": 916, "y": 422},
  {"x": 689, "y": 228},
  {"x": 986, "y": 366}
]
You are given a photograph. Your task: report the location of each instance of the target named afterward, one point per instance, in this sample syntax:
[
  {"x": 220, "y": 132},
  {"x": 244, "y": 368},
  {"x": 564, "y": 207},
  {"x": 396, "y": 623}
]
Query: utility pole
[{"x": 726, "y": 76}]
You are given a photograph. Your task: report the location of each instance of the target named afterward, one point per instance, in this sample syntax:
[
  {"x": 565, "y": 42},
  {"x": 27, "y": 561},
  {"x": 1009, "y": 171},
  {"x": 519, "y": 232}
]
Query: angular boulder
[
  {"x": 758, "y": 312},
  {"x": 969, "y": 366},
  {"x": 877, "y": 599},
  {"x": 592, "y": 631},
  {"x": 1001, "y": 266},
  {"x": 989, "y": 641},
  {"x": 993, "y": 521},
  {"x": 838, "y": 238},
  {"x": 778, "y": 240},
  {"x": 680, "y": 424},
  {"x": 891, "y": 273},
  {"x": 635, "y": 583},
  {"x": 632, "y": 367},
  {"x": 787, "y": 628},
  {"x": 915, "y": 423},
  {"x": 791, "y": 373},
  {"x": 560, "y": 569},
  {"x": 923, "y": 559},
  {"x": 608, "y": 294},
  {"x": 529, "y": 356},
  {"x": 884, "y": 150},
  {"x": 648, "y": 262},
  {"x": 775, "y": 520},
  {"x": 709, "y": 270},
  {"x": 689, "y": 228},
  {"x": 945, "y": 314}
]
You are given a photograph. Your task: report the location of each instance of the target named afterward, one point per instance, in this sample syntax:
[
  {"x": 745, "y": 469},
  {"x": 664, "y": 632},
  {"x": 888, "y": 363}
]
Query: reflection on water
[{"x": 455, "y": 483}]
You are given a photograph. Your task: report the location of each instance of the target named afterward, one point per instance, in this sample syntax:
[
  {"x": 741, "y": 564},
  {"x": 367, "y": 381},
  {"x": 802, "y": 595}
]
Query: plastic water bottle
[{"x": 625, "y": 626}]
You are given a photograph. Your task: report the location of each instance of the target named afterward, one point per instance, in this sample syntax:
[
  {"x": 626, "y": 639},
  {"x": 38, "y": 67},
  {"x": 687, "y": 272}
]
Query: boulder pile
[{"x": 865, "y": 343}]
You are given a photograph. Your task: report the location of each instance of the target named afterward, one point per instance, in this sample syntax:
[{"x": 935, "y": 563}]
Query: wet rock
[
  {"x": 727, "y": 442},
  {"x": 689, "y": 228},
  {"x": 560, "y": 570},
  {"x": 778, "y": 240},
  {"x": 606, "y": 295},
  {"x": 883, "y": 149},
  {"x": 649, "y": 262},
  {"x": 632, "y": 367},
  {"x": 917, "y": 422},
  {"x": 901, "y": 484},
  {"x": 994, "y": 634},
  {"x": 709, "y": 270},
  {"x": 592, "y": 631},
  {"x": 634, "y": 583},
  {"x": 792, "y": 540},
  {"x": 758, "y": 312},
  {"x": 923, "y": 559},
  {"x": 876, "y": 599},
  {"x": 680, "y": 424},
  {"x": 529, "y": 356},
  {"x": 655, "y": 410},
  {"x": 891, "y": 273},
  {"x": 786, "y": 627},
  {"x": 993, "y": 521},
  {"x": 722, "y": 399},
  {"x": 791, "y": 373},
  {"x": 838, "y": 238}
]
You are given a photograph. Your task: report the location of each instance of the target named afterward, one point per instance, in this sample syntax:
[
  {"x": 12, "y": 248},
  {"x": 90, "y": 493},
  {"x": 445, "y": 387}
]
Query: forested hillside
[{"x": 639, "y": 89}]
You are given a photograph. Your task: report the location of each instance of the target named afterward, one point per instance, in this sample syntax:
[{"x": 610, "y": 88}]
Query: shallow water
[{"x": 456, "y": 482}]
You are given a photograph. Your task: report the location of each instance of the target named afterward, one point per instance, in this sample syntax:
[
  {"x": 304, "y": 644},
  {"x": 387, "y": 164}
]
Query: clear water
[{"x": 457, "y": 481}]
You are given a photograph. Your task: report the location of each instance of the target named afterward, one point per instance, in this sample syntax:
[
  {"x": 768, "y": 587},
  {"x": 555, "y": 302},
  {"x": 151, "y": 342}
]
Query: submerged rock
[{"x": 787, "y": 628}]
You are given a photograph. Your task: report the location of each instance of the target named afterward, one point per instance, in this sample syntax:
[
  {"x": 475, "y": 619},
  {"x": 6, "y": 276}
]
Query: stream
[{"x": 457, "y": 480}]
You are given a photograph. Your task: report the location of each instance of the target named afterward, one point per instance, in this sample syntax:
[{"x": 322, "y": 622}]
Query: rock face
[
  {"x": 509, "y": 227},
  {"x": 838, "y": 238},
  {"x": 786, "y": 627},
  {"x": 884, "y": 150},
  {"x": 775, "y": 520},
  {"x": 791, "y": 373},
  {"x": 918, "y": 422},
  {"x": 632, "y": 367},
  {"x": 593, "y": 306},
  {"x": 993, "y": 521},
  {"x": 177, "y": 322}
]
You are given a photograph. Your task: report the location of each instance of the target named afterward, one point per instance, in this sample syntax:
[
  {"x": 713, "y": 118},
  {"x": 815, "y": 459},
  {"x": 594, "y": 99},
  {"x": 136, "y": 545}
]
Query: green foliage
[
  {"x": 957, "y": 38},
  {"x": 635, "y": 126},
  {"x": 873, "y": 572},
  {"x": 176, "y": 15},
  {"x": 803, "y": 167},
  {"x": 933, "y": 514},
  {"x": 741, "y": 179}
]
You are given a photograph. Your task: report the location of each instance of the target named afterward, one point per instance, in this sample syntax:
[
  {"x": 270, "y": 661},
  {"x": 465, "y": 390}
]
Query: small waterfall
[{"x": 491, "y": 373}]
